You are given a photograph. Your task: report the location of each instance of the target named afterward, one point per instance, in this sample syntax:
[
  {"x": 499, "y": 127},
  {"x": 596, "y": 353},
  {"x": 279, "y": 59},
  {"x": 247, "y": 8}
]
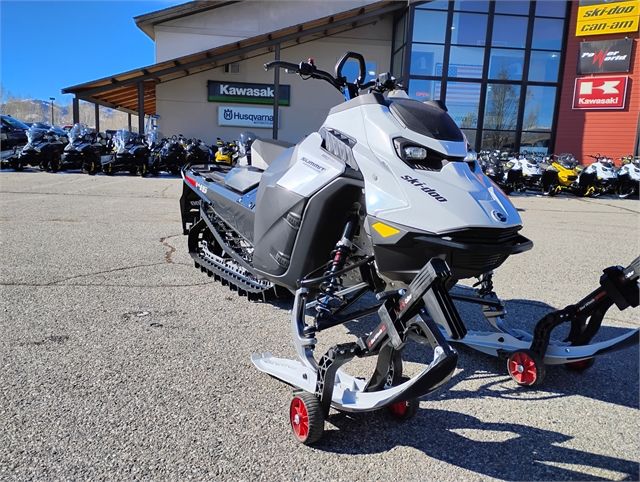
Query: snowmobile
[
  {"x": 31, "y": 153},
  {"x": 169, "y": 157},
  {"x": 493, "y": 168},
  {"x": 341, "y": 215},
  {"x": 226, "y": 152},
  {"x": 561, "y": 175},
  {"x": 628, "y": 185},
  {"x": 599, "y": 177},
  {"x": 131, "y": 153},
  {"x": 522, "y": 173},
  {"x": 196, "y": 152},
  {"x": 83, "y": 151}
]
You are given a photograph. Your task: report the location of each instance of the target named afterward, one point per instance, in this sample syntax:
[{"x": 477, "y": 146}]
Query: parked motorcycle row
[
  {"x": 562, "y": 173},
  {"x": 81, "y": 148}
]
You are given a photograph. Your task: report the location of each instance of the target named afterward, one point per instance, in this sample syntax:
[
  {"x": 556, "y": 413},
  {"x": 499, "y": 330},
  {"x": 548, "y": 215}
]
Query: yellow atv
[
  {"x": 561, "y": 175},
  {"x": 226, "y": 153}
]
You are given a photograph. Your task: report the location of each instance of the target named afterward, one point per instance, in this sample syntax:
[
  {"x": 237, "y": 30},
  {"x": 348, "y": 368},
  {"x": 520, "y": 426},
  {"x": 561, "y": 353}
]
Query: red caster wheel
[
  {"x": 306, "y": 418},
  {"x": 404, "y": 410},
  {"x": 525, "y": 368},
  {"x": 580, "y": 366}
]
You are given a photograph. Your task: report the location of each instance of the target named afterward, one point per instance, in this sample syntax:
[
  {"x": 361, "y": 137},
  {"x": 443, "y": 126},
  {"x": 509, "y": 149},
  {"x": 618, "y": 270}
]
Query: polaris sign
[
  {"x": 231, "y": 115},
  {"x": 605, "y": 57},
  {"x": 244, "y": 93}
]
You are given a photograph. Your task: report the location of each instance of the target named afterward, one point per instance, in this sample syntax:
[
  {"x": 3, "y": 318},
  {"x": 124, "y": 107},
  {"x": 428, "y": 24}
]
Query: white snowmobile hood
[{"x": 456, "y": 197}]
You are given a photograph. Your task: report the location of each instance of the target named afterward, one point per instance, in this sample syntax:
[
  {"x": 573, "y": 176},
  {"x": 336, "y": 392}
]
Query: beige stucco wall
[
  {"x": 235, "y": 22},
  {"x": 183, "y": 107}
]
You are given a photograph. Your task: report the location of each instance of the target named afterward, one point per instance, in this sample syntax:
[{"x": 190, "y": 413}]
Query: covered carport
[{"x": 134, "y": 91}]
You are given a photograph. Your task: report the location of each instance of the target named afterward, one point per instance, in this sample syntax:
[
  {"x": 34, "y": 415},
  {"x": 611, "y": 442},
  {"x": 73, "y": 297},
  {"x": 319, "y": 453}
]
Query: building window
[
  {"x": 495, "y": 64},
  {"x": 468, "y": 29},
  {"x": 466, "y": 62},
  {"x": 547, "y": 33},
  {"x": 506, "y": 64},
  {"x": 509, "y": 31},
  {"x": 544, "y": 66},
  {"x": 427, "y": 59},
  {"x": 463, "y": 100},
  {"x": 429, "y": 26}
]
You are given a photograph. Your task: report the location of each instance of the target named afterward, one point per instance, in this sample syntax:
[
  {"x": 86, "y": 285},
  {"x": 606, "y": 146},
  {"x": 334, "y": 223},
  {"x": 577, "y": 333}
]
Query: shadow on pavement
[{"x": 517, "y": 451}]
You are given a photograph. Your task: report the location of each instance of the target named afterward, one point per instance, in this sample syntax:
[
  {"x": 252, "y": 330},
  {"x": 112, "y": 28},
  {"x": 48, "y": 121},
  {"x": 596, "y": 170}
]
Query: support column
[
  {"x": 97, "y": 116},
  {"x": 140, "y": 107},
  {"x": 129, "y": 118},
  {"x": 276, "y": 95},
  {"x": 76, "y": 110}
]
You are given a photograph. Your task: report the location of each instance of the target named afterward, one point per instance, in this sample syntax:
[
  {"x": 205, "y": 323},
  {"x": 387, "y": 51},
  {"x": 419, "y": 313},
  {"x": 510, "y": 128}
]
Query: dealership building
[{"x": 542, "y": 76}]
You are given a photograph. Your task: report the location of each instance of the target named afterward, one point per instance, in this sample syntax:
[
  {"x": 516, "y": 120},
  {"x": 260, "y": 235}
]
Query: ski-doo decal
[{"x": 423, "y": 187}]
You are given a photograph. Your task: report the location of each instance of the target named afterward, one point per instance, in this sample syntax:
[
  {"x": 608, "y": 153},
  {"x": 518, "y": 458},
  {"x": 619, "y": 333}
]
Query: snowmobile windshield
[
  {"x": 426, "y": 119},
  {"x": 568, "y": 162},
  {"x": 34, "y": 134},
  {"x": 76, "y": 132},
  {"x": 15, "y": 123},
  {"x": 124, "y": 137},
  {"x": 57, "y": 131}
]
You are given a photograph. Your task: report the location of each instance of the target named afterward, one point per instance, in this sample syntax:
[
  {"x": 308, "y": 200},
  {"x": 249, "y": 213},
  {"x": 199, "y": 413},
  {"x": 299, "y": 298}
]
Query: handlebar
[{"x": 305, "y": 69}]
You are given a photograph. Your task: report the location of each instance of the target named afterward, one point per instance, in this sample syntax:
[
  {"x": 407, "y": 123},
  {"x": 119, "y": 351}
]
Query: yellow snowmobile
[{"x": 561, "y": 175}]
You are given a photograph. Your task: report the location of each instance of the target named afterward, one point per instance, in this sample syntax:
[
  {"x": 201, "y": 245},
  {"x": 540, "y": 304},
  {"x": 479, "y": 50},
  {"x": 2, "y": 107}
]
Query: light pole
[{"x": 52, "y": 99}]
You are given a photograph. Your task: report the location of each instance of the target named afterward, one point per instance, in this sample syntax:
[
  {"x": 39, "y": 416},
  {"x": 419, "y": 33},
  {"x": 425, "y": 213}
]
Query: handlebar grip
[{"x": 281, "y": 64}]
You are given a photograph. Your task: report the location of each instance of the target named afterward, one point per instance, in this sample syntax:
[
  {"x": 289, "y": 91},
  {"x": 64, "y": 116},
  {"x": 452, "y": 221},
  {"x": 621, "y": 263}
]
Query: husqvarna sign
[
  {"x": 245, "y": 93},
  {"x": 600, "y": 93},
  {"x": 233, "y": 115}
]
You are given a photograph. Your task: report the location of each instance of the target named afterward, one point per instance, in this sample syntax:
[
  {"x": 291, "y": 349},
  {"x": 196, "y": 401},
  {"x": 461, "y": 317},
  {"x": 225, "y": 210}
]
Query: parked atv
[{"x": 131, "y": 154}]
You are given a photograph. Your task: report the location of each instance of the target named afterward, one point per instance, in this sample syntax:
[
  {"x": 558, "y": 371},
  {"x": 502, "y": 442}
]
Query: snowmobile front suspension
[{"x": 405, "y": 314}]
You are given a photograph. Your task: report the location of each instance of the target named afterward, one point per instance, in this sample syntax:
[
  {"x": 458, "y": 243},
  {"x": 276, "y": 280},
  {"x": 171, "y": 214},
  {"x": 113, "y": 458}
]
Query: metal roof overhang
[{"x": 122, "y": 91}]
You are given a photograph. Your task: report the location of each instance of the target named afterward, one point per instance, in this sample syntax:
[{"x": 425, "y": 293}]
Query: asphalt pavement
[{"x": 119, "y": 360}]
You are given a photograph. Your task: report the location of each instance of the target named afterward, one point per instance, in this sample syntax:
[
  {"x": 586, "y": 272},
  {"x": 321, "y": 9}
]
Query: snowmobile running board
[{"x": 618, "y": 286}]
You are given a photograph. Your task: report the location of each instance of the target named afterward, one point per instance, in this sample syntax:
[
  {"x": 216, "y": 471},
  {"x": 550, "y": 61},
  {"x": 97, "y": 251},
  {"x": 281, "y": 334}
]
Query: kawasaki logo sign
[
  {"x": 600, "y": 93},
  {"x": 605, "y": 56},
  {"x": 245, "y": 93}
]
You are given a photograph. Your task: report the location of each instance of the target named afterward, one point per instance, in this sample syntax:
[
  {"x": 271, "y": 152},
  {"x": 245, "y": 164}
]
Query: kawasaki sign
[{"x": 244, "y": 93}]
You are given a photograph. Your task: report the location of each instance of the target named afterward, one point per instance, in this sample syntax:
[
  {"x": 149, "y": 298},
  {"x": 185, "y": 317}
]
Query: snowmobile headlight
[{"x": 414, "y": 153}]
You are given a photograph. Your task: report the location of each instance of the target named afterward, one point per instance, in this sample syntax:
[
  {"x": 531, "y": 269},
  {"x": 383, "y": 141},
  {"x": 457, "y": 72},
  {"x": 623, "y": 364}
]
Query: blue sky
[{"x": 45, "y": 46}]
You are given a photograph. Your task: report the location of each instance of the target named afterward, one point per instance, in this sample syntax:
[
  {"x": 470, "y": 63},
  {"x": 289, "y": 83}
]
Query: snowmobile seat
[
  {"x": 243, "y": 179},
  {"x": 263, "y": 151}
]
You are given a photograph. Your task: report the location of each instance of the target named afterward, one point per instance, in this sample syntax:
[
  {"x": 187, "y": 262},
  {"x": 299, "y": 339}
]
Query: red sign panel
[{"x": 600, "y": 92}]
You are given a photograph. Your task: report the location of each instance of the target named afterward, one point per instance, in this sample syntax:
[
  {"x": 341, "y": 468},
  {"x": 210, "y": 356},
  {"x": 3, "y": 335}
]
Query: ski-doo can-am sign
[
  {"x": 245, "y": 93},
  {"x": 232, "y": 115},
  {"x": 600, "y": 93},
  {"x": 606, "y": 56},
  {"x": 599, "y": 17}
]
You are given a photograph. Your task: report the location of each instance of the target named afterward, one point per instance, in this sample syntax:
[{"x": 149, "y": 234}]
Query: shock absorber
[{"x": 327, "y": 301}]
